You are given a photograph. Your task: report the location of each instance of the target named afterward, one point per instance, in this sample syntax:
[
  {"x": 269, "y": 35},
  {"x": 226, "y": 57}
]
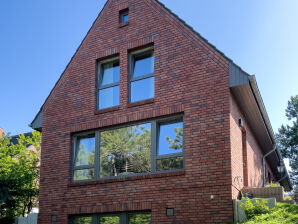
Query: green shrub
[
  {"x": 273, "y": 185},
  {"x": 282, "y": 213},
  {"x": 252, "y": 209},
  {"x": 288, "y": 198}
]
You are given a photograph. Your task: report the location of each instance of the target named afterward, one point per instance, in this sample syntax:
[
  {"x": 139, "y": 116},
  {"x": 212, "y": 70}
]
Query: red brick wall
[
  {"x": 191, "y": 78},
  {"x": 236, "y": 149},
  {"x": 254, "y": 153}
]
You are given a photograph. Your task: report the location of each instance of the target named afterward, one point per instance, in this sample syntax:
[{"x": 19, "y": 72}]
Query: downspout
[
  {"x": 263, "y": 164},
  {"x": 281, "y": 179}
]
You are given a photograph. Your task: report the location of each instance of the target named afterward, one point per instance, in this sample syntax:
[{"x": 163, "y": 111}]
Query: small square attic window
[{"x": 123, "y": 16}]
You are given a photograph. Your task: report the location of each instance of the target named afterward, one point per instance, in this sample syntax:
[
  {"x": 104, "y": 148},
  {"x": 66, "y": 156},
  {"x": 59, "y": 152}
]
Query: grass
[{"x": 283, "y": 213}]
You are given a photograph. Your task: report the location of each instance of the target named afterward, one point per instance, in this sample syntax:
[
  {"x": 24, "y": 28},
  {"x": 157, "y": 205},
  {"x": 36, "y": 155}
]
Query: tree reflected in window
[
  {"x": 139, "y": 218},
  {"x": 170, "y": 146},
  {"x": 83, "y": 220},
  {"x": 109, "y": 220},
  {"x": 125, "y": 151},
  {"x": 84, "y": 158},
  {"x": 129, "y": 150},
  {"x": 86, "y": 151}
]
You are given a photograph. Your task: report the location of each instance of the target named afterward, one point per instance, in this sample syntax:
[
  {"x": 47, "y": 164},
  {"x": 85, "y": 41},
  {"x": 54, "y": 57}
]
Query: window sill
[
  {"x": 129, "y": 178},
  {"x": 123, "y": 24},
  {"x": 139, "y": 103},
  {"x": 110, "y": 109}
]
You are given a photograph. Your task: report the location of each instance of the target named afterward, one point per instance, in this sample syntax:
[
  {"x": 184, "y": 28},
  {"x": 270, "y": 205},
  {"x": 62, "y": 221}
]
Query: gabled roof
[{"x": 243, "y": 86}]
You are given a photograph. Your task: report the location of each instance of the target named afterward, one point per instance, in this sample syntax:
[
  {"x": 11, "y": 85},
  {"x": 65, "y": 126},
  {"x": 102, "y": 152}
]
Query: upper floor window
[
  {"x": 123, "y": 16},
  {"x": 142, "y": 75},
  {"x": 142, "y": 148},
  {"x": 108, "y": 83}
]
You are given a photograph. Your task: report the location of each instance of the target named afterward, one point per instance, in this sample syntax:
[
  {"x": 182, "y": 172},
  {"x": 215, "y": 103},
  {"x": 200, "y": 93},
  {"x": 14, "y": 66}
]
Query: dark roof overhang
[
  {"x": 36, "y": 124},
  {"x": 246, "y": 92}
]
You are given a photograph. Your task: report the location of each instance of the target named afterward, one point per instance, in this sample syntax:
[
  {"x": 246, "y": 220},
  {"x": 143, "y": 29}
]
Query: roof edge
[
  {"x": 40, "y": 110},
  {"x": 36, "y": 124},
  {"x": 261, "y": 106},
  {"x": 265, "y": 117}
]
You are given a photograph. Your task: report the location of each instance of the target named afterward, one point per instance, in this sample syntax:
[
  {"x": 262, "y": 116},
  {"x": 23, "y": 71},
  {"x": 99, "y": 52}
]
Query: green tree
[
  {"x": 287, "y": 139},
  {"x": 19, "y": 176}
]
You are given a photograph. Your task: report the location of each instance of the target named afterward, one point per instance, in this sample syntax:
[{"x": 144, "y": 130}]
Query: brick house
[{"x": 149, "y": 121}]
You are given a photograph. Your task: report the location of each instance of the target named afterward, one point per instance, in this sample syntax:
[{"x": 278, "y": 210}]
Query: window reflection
[
  {"x": 86, "y": 150},
  {"x": 139, "y": 218},
  {"x": 108, "y": 97},
  {"x": 83, "y": 174},
  {"x": 142, "y": 89},
  {"x": 108, "y": 89},
  {"x": 110, "y": 73},
  {"x": 170, "y": 138},
  {"x": 143, "y": 65},
  {"x": 169, "y": 163},
  {"x": 125, "y": 151},
  {"x": 142, "y": 76},
  {"x": 128, "y": 150},
  {"x": 83, "y": 220},
  {"x": 109, "y": 220}
]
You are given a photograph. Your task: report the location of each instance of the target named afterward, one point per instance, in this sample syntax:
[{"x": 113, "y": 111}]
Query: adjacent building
[{"x": 150, "y": 123}]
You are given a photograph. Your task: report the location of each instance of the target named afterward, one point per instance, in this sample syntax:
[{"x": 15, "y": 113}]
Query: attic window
[{"x": 123, "y": 16}]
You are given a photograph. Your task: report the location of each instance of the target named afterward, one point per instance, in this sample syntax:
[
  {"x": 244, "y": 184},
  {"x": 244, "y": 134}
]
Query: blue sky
[{"x": 38, "y": 38}]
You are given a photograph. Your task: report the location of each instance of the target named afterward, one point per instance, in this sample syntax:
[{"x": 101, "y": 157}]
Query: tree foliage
[
  {"x": 125, "y": 150},
  {"x": 19, "y": 176},
  {"x": 177, "y": 142},
  {"x": 287, "y": 139},
  {"x": 140, "y": 218}
]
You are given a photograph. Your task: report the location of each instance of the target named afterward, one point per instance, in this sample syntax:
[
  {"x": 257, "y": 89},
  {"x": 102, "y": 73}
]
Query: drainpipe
[
  {"x": 281, "y": 179},
  {"x": 263, "y": 163}
]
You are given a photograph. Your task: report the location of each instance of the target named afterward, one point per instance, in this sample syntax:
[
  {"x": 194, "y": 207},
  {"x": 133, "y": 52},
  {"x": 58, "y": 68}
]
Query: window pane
[
  {"x": 124, "y": 18},
  {"x": 142, "y": 89},
  {"x": 139, "y": 218},
  {"x": 170, "y": 138},
  {"x": 83, "y": 220},
  {"x": 85, "y": 151},
  {"x": 125, "y": 151},
  {"x": 108, "y": 97},
  {"x": 110, "y": 73},
  {"x": 169, "y": 163},
  {"x": 109, "y": 220},
  {"x": 143, "y": 65},
  {"x": 83, "y": 174}
]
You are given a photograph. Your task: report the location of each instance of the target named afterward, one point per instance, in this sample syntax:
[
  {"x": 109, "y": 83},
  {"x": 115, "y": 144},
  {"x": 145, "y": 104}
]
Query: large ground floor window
[
  {"x": 121, "y": 218},
  {"x": 148, "y": 147}
]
